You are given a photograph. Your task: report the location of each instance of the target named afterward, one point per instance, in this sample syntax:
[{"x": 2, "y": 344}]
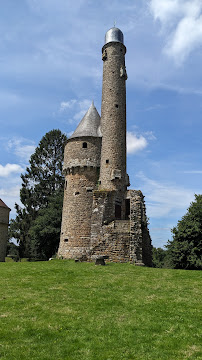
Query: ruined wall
[
  {"x": 4, "y": 221},
  {"x": 140, "y": 242},
  {"x": 108, "y": 236},
  {"x": 121, "y": 240},
  {"x": 102, "y": 214},
  {"x": 115, "y": 241}
]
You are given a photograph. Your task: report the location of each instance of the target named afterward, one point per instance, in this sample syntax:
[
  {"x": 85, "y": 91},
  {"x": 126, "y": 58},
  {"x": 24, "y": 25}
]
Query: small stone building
[
  {"x": 4, "y": 222},
  {"x": 100, "y": 215}
]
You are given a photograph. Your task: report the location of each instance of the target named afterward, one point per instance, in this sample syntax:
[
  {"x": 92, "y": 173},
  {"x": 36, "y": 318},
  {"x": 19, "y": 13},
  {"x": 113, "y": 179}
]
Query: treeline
[{"x": 185, "y": 250}]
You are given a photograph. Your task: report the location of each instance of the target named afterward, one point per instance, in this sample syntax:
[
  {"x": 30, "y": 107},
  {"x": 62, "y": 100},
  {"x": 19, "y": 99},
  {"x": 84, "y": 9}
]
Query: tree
[
  {"x": 45, "y": 230},
  {"x": 185, "y": 250},
  {"x": 159, "y": 257},
  {"x": 42, "y": 180},
  {"x": 12, "y": 250}
]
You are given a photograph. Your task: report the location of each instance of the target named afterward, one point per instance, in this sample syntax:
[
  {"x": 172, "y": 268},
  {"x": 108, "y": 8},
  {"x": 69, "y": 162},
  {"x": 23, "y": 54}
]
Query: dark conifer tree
[{"x": 42, "y": 181}]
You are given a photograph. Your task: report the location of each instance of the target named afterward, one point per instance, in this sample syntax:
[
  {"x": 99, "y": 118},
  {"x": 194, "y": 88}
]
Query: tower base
[{"x": 120, "y": 240}]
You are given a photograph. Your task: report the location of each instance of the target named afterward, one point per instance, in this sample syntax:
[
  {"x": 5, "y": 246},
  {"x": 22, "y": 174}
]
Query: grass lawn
[{"x": 65, "y": 310}]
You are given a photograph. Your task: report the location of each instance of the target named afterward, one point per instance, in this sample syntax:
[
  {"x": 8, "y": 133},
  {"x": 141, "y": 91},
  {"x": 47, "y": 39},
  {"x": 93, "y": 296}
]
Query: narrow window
[
  {"x": 116, "y": 105},
  {"x": 107, "y": 161},
  {"x": 127, "y": 205},
  {"x": 117, "y": 211},
  {"x": 65, "y": 240},
  {"x": 84, "y": 145}
]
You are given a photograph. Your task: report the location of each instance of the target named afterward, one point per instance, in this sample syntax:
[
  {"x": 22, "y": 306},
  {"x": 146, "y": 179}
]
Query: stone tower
[
  {"x": 4, "y": 222},
  {"x": 113, "y": 118},
  {"x": 81, "y": 169},
  {"x": 100, "y": 216}
]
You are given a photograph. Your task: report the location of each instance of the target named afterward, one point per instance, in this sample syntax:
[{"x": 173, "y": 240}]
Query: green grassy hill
[{"x": 65, "y": 310}]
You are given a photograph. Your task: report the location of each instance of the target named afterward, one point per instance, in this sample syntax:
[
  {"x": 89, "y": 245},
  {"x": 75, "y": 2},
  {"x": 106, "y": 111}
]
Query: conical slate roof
[{"x": 89, "y": 125}]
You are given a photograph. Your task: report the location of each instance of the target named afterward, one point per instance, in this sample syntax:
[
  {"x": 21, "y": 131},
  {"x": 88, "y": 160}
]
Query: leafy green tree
[
  {"x": 159, "y": 257},
  {"x": 42, "y": 180},
  {"x": 185, "y": 250}
]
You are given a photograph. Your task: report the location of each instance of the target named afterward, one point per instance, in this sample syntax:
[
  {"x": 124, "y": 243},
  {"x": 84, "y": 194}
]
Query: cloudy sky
[{"x": 51, "y": 69}]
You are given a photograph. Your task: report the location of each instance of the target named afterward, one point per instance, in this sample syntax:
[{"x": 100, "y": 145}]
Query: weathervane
[{"x": 114, "y": 23}]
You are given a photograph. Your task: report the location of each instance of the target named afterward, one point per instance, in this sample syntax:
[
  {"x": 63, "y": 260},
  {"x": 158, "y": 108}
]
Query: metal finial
[{"x": 114, "y": 23}]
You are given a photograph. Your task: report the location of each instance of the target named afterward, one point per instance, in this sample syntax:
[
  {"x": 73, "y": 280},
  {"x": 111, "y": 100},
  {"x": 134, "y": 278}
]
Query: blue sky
[{"x": 51, "y": 69}]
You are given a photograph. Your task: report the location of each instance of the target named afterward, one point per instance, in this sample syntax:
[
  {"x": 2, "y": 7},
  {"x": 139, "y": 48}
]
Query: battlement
[{"x": 74, "y": 168}]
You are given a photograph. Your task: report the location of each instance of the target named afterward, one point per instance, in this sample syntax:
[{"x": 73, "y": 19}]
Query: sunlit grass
[{"x": 65, "y": 310}]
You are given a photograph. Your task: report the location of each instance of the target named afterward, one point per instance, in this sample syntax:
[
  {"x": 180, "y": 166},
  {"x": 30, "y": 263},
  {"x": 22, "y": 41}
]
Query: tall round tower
[
  {"x": 81, "y": 169},
  {"x": 113, "y": 114}
]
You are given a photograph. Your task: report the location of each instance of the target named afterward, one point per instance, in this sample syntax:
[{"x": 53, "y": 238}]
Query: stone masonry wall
[
  {"x": 113, "y": 118},
  {"x": 77, "y": 210},
  {"x": 115, "y": 242},
  {"x": 108, "y": 236},
  {"x": 121, "y": 240},
  {"x": 81, "y": 169},
  {"x": 102, "y": 213},
  {"x": 75, "y": 155},
  {"x": 140, "y": 242},
  {"x": 4, "y": 221}
]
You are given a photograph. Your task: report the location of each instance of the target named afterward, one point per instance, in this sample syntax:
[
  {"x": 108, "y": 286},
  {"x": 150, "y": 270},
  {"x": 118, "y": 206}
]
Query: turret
[
  {"x": 113, "y": 115},
  {"x": 81, "y": 169}
]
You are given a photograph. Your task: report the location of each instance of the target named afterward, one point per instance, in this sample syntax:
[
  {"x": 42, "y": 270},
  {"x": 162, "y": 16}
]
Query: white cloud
[
  {"x": 10, "y": 192},
  {"x": 181, "y": 23},
  {"x": 64, "y": 105},
  {"x": 22, "y": 148},
  {"x": 164, "y": 10},
  {"x": 165, "y": 199},
  {"x": 155, "y": 107},
  {"x": 11, "y": 195},
  {"x": 187, "y": 37},
  {"x": 75, "y": 109},
  {"x": 8, "y": 99},
  {"x": 150, "y": 135},
  {"x": 135, "y": 143},
  {"x": 192, "y": 172},
  {"x": 8, "y": 169}
]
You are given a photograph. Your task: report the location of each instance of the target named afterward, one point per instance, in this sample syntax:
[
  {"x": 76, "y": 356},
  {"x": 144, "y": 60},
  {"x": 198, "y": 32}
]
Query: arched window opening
[{"x": 84, "y": 145}]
